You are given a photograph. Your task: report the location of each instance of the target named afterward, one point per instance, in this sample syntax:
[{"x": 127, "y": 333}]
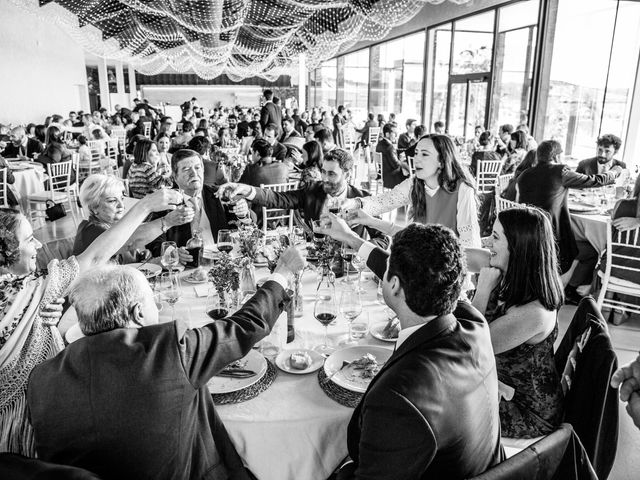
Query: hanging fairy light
[{"x": 240, "y": 38}]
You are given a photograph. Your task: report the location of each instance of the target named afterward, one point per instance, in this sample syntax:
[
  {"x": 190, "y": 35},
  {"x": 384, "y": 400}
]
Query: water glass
[
  {"x": 170, "y": 290},
  {"x": 359, "y": 327},
  {"x": 169, "y": 255}
]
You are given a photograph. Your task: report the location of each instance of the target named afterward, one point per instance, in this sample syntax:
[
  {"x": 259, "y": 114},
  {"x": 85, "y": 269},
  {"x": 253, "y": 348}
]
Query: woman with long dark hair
[
  {"x": 55, "y": 150},
  {"x": 440, "y": 192},
  {"x": 517, "y": 149},
  {"x": 311, "y": 159},
  {"x": 523, "y": 275},
  {"x": 144, "y": 175}
]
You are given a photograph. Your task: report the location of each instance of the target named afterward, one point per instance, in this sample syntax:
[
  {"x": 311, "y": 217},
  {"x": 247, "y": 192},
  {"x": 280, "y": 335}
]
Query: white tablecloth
[
  {"x": 27, "y": 183},
  {"x": 292, "y": 430},
  {"x": 591, "y": 228}
]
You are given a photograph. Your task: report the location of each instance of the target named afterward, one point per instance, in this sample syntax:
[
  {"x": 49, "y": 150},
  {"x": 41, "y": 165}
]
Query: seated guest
[
  {"x": 393, "y": 170},
  {"x": 264, "y": 169},
  {"x": 432, "y": 410},
  {"x": 485, "y": 152},
  {"x": 102, "y": 196},
  {"x": 213, "y": 173},
  {"x": 516, "y": 151},
  {"x": 439, "y": 128},
  {"x": 440, "y": 192},
  {"x": 316, "y": 198},
  {"x": 546, "y": 185},
  {"x": 254, "y": 132},
  {"x": 182, "y": 139},
  {"x": 21, "y": 146},
  {"x": 11, "y": 198},
  {"x": 29, "y": 336},
  {"x": 310, "y": 160},
  {"x": 163, "y": 141},
  {"x": 418, "y": 133},
  {"x": 325, "y": 138},
  {"x": 210, "y": 215},
  {"x": 510, "y": 191},
  {"x": 145, "y": 175},
  {"x": 408, "y": 138},
  {"x": 607, "y": 147},
  {"x": 364, "y": 131},
  {"x": 288, "y": 125},
  {"x": 531, "y": 142},
  {"x": 504, "y": 137},
  {"x": 523, "y": 272},
  {"x": 224, "y": 138},
  {"x": 148, "y": 407},
  {"x": 270, "y": 135},
  {"x": 56, "y": 150}
]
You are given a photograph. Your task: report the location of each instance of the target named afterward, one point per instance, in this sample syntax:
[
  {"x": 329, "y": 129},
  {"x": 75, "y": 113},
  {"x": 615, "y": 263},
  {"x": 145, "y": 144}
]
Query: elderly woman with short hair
[
  {"x": 103, "y": 197},
  {"x": 27, "y": 337}
]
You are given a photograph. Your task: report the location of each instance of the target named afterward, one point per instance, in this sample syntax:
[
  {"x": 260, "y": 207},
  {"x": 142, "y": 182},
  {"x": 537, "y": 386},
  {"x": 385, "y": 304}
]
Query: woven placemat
[
  {"x": 249, "y": 392},
  {"x": 337, "y": 393}
]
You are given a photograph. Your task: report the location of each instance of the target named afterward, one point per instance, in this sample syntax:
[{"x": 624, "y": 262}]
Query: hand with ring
[{"x": 179, "y": 216}]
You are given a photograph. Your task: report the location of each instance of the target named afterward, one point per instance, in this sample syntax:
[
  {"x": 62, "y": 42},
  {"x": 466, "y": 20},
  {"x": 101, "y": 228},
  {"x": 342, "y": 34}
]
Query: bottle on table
[{"x": 194, "y": 247}]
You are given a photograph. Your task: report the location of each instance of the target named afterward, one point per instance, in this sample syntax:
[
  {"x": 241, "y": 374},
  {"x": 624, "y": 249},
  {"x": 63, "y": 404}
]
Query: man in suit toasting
[{"x": 432, "y": 409}]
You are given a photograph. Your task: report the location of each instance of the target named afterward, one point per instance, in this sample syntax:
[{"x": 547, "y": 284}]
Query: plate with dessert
[
  {"x": 354, "y": 367},
  {"x": 386, "y": 331},
  {"x": 299, "y": 362},
  {"x": 239, "y": 374},
  {"x": 198, "y": 275}
]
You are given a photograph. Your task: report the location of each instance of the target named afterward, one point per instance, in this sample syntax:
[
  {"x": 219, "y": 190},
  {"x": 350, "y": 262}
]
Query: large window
[
  {"x": 323, "y": 85},
  {"x": 593, "y": 70},
  {"x": 355, "y": 83}
]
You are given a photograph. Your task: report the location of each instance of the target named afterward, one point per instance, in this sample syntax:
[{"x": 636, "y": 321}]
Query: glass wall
[
  {"x": 355, "y": 84},
  {"x": 593, "y": 70},
  {"x": 322, "y": 83}
]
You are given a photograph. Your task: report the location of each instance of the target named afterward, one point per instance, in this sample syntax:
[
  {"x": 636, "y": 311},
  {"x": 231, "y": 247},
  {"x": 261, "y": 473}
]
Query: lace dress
[
  {"x": 536, "y": 406},
  {"x": 26, "y": 340}
]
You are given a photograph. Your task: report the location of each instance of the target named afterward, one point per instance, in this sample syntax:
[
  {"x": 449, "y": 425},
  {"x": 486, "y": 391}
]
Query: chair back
[
  {"x": 558, "y": 456},
  {"x": 622, "y": 269},
  {"x": 377, "y": 161},
  {"x": 147, "y": 129},
  {"x": 67, "y": 136},
  {"x": 97, "y": 149},
  {"x": 349, "y": 138},
  {"x": 504, "y": 204},
  {"x": 277, "y": 215},
  {"x": 179, "y": 127},
  {"x": 112, "y": 155},
  {"x": 4, "y": 201},
  {"x": 59, "y": 176},
  {"x": 503, "y": 182},
  {"x": 586, "y": 361},
  {"x": 412, "y": 167},
  {"x": 120, "y": 134},
  {"x": 374, "y": 135},
  {"x": 487, "y": 175}
]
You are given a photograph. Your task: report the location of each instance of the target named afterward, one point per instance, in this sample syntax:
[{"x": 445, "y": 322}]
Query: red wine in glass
[
  {"x": 218, "y": 313},
  {"x": 325, "y": 318},
  {"x": 225, "y": 247}
]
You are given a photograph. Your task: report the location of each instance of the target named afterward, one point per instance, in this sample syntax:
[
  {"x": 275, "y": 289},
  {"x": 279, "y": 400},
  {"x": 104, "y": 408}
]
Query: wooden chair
[
  {"x": 120, "y": 134},
  {"x": 4, "y": 201},
  {"x": 277, "y": 214},
  {"x": 503, "y": 182},
  {"x": 59, "y": 190},
  {"x": 349, "y": 139},
  {"x": 622, "y": 260},
  {"x": 112, "y": 156},
  {"x": 377, "y": 161},
  {"x": 147, "y": 129},
  {"x": 374, "y": 135},
  {"x": 504, "y": 204},
  {"x": 487, "y": 175}
]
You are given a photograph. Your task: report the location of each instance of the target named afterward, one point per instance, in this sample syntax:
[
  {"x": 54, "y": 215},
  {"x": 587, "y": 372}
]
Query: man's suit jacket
[
  {"x": 258, "y": 174},
  {"x": 310, "y": 201},
  {"x": 270, "y": 113},
  {"x": 590, "y": 166},
  {"x": 432, "y": 410},
  {"x": 293, "y": 134},
  {"x": 279, "y": 151},
  {"x": 134, "y": 403},
  {"x": 391, "y": 169},
  {"x": 219, "y": 217},
  {"x": 33, "y": 146}
]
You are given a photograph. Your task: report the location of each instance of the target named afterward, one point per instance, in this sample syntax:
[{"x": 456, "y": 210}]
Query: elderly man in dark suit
[
  {"x": 315, "y": 199},
  {"x": 270, "y": 113},
  {"x": 432, "y": 409},
  {"x": 131, "y": 399},
  {"x": 607, "y": 146}
]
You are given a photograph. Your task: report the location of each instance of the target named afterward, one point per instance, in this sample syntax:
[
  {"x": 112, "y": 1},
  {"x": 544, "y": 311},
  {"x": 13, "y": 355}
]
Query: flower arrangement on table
[
  {"x": 250, "y": 241},
  {"x": 225, "y": 276},
  {"x": 233, "y": 165}
]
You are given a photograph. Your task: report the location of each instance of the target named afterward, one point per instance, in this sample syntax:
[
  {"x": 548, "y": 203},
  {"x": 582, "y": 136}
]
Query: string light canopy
[{"x": 241, "y": 38}]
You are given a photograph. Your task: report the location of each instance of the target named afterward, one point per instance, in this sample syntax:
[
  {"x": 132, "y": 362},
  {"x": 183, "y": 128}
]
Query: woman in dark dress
[
  {"x": 523, "y": 278},
  {"x": 546, "y": 185}
]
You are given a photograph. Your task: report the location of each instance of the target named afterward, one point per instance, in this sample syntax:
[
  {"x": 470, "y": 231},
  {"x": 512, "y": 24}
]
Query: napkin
[{"x": 201, "y": 290}]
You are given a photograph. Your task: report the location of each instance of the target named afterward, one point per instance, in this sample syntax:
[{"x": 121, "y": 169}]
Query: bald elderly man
[
  {"x": 131, "y": 400},
  {"x": 21, "y": 146}
]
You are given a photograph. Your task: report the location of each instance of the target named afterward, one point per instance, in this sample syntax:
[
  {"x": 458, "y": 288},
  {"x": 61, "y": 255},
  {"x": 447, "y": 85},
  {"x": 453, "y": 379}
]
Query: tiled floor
[{"x": 625, "y": 338}]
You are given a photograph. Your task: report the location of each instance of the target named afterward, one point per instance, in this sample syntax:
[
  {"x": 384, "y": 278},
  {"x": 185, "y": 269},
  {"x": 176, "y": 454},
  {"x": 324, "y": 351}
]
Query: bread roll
[{"x": 300, "y": 360}]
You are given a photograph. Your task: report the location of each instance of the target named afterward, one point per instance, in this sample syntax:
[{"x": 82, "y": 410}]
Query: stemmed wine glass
[
  {"x": 169, "y": 287},
  {"x": 169, "y": 256},
  {"x": 351, "y": 308},
  {"x": 359, "y": 264},
  {"x": 225, "y": 241},
  {"x": 348, "y": 254},
  {"x": 325, "y": 311}
]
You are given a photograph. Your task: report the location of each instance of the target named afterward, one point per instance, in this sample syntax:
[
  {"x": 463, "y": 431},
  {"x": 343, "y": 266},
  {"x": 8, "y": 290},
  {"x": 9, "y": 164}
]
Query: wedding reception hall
[{"x": 320, "y": 239}]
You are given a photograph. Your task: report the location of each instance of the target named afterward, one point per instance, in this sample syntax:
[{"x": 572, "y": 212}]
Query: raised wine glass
[
  {"x": 351, "y": 308},
  {"x": 359, "y": 264},
  {"x": 325, "y": 311},
  {"x": 169, "y": 286},
  {"x": 225, "y": 241},
  {"x": 169, "y": 256}
]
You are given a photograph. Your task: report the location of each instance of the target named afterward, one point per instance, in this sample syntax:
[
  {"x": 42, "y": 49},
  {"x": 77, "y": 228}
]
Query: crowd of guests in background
[{"x": 501, "y": 343}]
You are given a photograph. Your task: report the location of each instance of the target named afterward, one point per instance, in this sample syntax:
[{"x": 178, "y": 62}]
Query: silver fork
[{"x": 344, "y": 364}]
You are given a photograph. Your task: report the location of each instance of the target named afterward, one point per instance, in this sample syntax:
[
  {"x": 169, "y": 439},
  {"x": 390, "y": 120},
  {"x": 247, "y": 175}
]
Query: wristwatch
[{"x": 163, "y": 226}]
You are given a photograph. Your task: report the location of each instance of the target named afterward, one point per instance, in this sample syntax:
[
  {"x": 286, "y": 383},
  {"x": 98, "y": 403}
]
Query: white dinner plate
[
  {"x": 283, "y": 361},
  {"x": 149, "y": 270},
  {"x": 254, "y": 361},
  {"x": 376, "y": 331},
  {"x": 580, "y": 207},
  {"x": 348, "y": 377},
  {"x": 190, "y": 279}
]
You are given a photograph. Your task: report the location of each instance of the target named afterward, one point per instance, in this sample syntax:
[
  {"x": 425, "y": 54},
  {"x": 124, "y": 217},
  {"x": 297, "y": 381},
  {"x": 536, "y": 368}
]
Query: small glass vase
[{"x": 248, "y": 280}]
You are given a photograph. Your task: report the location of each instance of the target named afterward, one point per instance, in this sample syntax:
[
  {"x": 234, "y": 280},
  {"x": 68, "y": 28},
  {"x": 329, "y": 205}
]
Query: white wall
[
  {"x": 207, "y": 95},
  {"x": 42, "y": 70}
]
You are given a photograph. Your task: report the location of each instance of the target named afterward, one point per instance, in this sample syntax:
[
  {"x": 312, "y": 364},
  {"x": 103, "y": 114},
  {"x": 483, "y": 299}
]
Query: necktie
[{"x": 195, "y": 223}]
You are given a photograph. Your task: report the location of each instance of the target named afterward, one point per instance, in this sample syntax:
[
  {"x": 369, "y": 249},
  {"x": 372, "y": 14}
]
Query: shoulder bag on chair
[{"x": 54, "y": 211}]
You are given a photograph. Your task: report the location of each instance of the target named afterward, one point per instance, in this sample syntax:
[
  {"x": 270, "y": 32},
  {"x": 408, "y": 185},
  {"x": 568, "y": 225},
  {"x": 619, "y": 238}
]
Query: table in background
[
  {"x": 292, "y": 430},
  {"x": 28, "y": 181},
  {"x": 591, "y": 228}
]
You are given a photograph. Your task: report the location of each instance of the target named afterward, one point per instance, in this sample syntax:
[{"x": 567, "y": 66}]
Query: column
[
  {"x": 120, "y": 78},
  {"x": 105, "y": 99},
  {"x": 132, "y": 84},
  {"x": 631, "y": 144},
  {"x": 302, "y": 83}
]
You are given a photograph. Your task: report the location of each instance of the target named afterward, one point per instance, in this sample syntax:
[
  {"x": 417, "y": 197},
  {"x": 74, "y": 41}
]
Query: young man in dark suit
[
  {"x": 432, "y": 410},
  {"x": 607, "y": 146},
  {"x": 316, "y": 198},
  {"x": 393, "y": 170},
  {"x": 270, "y": 113},
  {"x": 270, "y": 134},
  {"x": 131, "y": 399}
]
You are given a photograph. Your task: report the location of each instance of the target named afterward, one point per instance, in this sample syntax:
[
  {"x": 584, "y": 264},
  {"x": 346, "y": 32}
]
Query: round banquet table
[
  {"x": 292, "y": 430},
  {"x": 591, "y": 228},
  {"x": 27, "y": 182}
]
